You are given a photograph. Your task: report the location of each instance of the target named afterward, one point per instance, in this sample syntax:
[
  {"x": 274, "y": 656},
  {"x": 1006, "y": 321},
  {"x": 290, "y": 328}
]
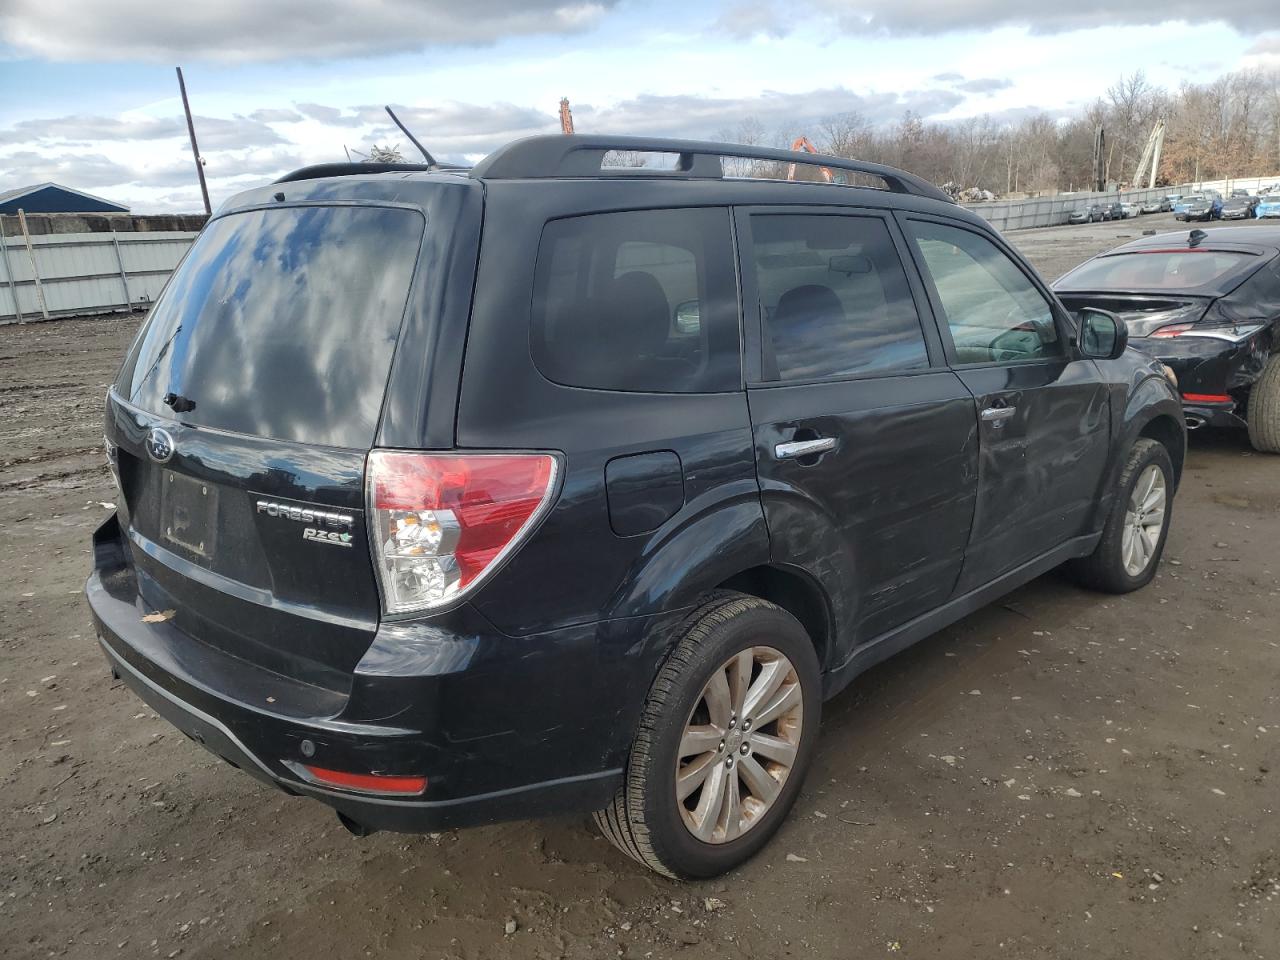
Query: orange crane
[
  {"x": 566, "y": 116},
  {"x": 806, "y": 145}
]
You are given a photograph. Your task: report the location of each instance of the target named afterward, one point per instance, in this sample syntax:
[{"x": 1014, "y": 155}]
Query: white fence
[{"x": 58, "y": 275}]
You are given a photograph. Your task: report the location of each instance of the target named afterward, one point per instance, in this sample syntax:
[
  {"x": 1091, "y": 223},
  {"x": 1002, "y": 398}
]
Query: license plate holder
[{"x": 188, "y": 513}]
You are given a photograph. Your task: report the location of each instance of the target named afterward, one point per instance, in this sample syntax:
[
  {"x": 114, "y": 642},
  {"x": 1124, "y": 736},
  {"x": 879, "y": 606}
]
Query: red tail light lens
[
  {"x": 441, "y": 521},
  {"x": 375, "y": 783},
  {"x": 1206, "y": 398}
]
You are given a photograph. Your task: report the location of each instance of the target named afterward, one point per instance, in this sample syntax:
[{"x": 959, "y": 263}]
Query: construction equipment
[
  {"x": 1151, "y": 156},
  {"x": 566, "y": 116},
  {"x": 806, "y": 145}
]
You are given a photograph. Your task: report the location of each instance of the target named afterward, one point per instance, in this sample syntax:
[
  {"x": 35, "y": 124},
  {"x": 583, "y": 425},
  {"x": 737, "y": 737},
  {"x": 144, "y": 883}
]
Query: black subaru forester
[{"x": 450, "y": 496}]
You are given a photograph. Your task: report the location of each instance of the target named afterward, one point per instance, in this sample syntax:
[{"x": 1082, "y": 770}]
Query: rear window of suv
[
  {"x": 641, "y": 301},
  {"x": 281, "y": 323}
]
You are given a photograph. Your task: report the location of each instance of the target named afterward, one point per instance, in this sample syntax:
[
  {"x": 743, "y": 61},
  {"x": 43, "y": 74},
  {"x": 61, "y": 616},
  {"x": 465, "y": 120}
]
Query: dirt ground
[{"x": 1061, "y": 775}]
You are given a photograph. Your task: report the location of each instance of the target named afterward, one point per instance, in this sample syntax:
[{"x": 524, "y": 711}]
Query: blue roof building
[{"x": 55, "y": 198}]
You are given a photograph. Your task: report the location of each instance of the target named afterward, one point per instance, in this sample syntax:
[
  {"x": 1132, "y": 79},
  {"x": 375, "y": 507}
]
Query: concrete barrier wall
[
  {"x": 1050, "y": 211},
  {"x": 64, "y": 274}
]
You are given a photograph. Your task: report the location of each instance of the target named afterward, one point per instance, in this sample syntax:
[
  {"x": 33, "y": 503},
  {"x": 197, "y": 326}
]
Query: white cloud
[
  {"x": 931, "y": 17},
  {"x": 265, "y": 30}
]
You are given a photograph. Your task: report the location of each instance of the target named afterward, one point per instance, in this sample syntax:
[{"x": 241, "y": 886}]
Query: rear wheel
[
  {"x": 725, "y": 740},
  {"x": 1133, "y": 539},
  {"x": 1264, "y": 409}
]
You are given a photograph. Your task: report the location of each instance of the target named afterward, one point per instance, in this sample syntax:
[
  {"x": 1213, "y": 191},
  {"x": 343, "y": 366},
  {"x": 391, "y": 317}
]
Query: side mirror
[
  {"x": 1103, "y": 335},
  {"x": 687, "y": 316}
]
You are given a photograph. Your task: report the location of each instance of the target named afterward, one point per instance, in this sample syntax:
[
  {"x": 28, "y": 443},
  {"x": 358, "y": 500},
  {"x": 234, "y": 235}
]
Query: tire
[
  {"x": 1264, "y": 409},
  {"x": 646, "y": 820},
  {"x": 1107, "y": 568}
]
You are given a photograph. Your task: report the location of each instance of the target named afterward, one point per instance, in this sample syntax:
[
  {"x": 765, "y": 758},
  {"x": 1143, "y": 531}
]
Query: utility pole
[
  {"x": 195, "y": 149},
  {"x": 1099, "y": 147}
]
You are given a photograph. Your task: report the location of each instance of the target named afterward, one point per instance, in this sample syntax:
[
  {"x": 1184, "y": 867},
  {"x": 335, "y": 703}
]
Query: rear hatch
[
  {"x": 1160, "y": 282},
  {"x": 1143, "y": 314},
  {"x": 241, "y": 421}
]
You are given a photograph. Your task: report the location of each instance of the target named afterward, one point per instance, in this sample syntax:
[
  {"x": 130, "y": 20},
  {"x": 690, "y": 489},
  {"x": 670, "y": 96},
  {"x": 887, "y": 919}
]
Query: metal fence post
[
  {"x": 124, "y": 277},
  {"x": 8, "y": 271},
  {"x": 35, "y": 271}
]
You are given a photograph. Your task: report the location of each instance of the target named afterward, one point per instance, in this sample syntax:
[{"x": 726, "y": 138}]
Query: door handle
[
  {"x": 803, "y": 448},
  {"x": 998, "y": 415}
]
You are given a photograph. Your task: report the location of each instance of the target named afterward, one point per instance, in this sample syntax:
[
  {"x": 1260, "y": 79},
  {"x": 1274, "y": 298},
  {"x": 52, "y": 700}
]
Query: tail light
[
  {"x": 1214, "y": 325},
  {"x": 1170, "y": 331},
  {"x": 442, "y": 522}
]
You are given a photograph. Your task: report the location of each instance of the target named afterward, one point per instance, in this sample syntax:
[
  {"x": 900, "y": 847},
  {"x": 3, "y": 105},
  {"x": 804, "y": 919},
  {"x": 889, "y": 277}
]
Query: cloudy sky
[{"x": 91, "y": 99}]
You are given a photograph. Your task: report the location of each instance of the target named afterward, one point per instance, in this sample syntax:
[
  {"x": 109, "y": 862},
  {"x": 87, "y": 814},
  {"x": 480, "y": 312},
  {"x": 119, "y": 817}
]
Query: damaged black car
[{"x": 1207, "y": 304}]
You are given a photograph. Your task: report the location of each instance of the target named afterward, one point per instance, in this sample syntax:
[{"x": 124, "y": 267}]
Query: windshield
[
  {"x": 1156, "y": 270},
  {"x": 280, "y": 323}
]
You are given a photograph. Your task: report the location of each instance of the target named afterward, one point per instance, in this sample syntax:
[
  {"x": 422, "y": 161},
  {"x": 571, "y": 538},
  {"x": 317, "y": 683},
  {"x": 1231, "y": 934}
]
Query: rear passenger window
[
  {"x": 641, "y": 301},
  {"x": 835, "y": 297}
]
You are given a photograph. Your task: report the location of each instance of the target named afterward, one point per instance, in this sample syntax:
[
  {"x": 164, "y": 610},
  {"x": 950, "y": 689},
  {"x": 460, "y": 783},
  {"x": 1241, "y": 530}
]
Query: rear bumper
[
  {"x": 1199, "y": 415},
  {"x": 503, "y": 728},
  {"x": 586, "y": 792},
  {"x": 1207, "y": 367}
]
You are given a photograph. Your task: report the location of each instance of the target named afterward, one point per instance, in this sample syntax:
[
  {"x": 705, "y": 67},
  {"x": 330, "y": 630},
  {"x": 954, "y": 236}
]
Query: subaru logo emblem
[{"x": 159, "y": 445}]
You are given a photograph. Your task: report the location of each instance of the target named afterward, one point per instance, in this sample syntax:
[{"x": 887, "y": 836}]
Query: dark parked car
[
  {"x": 1113, "y": 210},
  {"x": 453, "y": 496},
  {"x": 1200, "y": 206},
  {"x": 1087, "y": 213},
  {"x": 1208, "y": 305},
  {"x": 1239, "y": 208}
]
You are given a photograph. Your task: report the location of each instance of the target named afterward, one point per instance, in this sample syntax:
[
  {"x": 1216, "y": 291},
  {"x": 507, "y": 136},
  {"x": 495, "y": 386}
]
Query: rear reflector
[
  {"x": 364, "y": 782},
  {"x": 441, "y": 522},
  {"x": 1206, "y": 398}
]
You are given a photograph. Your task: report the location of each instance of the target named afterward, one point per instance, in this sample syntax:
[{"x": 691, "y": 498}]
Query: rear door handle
[
  {"x": 998, "y": 415},
  {"x": 803, "y": 448}
]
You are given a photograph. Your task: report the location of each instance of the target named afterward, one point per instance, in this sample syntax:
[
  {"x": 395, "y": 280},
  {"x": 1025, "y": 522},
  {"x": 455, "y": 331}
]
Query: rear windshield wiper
[{"x": 180, "y": 404}]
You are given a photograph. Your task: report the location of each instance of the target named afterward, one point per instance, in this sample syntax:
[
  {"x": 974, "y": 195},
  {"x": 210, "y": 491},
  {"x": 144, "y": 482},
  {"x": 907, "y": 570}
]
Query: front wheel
[
  {"x": 1133, "y": 538},
  {"x": 725, "y": 739}
]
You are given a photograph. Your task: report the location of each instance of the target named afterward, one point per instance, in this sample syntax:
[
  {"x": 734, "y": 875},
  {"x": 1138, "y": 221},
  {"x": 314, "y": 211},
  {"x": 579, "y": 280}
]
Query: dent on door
[{"x": 1044, "y": 431}]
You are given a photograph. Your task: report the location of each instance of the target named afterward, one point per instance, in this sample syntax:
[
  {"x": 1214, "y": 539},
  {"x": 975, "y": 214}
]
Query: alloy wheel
[
  {"x": 739, "y": 744},
  {"x": 1143, "y": 521}
]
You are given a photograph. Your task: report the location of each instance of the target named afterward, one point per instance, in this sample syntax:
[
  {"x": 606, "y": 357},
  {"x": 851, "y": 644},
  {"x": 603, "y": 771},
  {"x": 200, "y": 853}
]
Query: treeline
[{"x": 1229, "y": 127}]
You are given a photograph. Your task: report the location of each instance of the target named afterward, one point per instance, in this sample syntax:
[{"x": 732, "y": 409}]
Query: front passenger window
[{"x": 994, "y": 312}]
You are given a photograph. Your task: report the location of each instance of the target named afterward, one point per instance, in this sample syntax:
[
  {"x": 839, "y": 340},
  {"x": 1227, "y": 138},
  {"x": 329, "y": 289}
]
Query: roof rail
[
  {"x": 581, "y": 155},
  {"x": 319, "y": 170}
]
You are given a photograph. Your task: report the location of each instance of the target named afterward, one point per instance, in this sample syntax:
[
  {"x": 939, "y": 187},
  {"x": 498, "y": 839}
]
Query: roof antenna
[
  {"x": 1196, "y": 237},
  {"x": 412, "y": 139}
]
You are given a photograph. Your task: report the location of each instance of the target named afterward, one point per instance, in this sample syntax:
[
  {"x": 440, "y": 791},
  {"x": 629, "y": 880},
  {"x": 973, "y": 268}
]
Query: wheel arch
[
  {"x": 1166, "y": 431},
  {"x": 795, "y": 592}
]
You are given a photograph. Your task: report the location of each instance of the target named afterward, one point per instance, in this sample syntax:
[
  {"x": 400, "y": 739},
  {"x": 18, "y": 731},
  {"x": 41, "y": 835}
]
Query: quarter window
[
  {"x": 993, "y": 310},
  {"x": 835, "y": 297},
  {"x": 640, "y": 301}
]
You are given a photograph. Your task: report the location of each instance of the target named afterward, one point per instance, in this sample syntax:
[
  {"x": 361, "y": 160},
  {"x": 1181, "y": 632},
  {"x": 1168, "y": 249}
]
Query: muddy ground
[{"x": 1060, "y": 775}]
